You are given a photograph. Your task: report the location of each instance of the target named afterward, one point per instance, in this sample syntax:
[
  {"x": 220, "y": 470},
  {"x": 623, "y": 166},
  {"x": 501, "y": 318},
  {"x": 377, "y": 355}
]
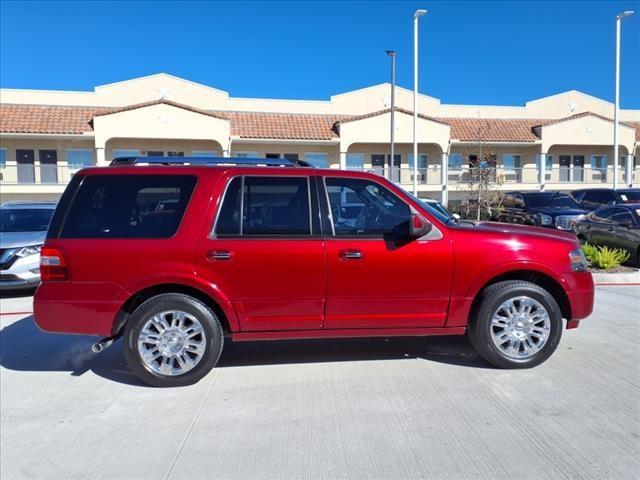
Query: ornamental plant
[{"x": 604, "y": 257}]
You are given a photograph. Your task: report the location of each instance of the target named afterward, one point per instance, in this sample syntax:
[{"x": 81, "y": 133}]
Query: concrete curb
[{"x": 628, "y": 278}]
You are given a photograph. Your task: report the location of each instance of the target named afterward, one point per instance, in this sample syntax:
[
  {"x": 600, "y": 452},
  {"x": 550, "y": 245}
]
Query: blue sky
[{"x": 470, "y": 52}]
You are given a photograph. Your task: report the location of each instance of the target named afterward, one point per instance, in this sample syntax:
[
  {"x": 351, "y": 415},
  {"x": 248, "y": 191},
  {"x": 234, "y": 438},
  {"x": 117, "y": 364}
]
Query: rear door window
[
  {"x": 265, "y": 206},
  {"x": 128, "y": 206}
]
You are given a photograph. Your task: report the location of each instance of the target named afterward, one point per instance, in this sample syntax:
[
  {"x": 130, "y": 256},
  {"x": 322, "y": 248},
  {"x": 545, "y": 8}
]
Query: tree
[{"x": 481, "y": 183}]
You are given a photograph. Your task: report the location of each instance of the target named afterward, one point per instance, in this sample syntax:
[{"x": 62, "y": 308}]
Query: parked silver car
[{"x": 23, "y": 228}]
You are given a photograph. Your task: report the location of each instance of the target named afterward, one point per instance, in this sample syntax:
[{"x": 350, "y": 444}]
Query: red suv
[{"x": 176, "y": 257}]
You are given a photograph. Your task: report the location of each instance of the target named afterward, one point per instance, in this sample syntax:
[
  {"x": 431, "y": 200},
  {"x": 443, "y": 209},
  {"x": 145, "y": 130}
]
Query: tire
[
  {"x": 520, "y": 294},
  {"x": 184, "y": 334}
]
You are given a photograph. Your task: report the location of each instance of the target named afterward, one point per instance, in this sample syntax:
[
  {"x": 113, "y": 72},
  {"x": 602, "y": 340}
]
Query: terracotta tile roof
[
  {"x": 387, "y": 110},
  {"x": 47, "y": 118},
  {"x": 293, "y": 126},
  {"x": 159, "y": 101},
  {"x": 635, "y": 125},
  {"x": 493, "y": 129},
  {"x": 51, "y": 119}
]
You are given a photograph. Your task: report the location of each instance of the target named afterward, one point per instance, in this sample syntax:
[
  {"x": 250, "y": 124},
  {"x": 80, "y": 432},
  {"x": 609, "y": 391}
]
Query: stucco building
[{"x": 556, "y": 143}]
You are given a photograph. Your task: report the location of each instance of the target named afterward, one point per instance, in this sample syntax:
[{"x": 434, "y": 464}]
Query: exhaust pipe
[{"x": 102, "y": 345}]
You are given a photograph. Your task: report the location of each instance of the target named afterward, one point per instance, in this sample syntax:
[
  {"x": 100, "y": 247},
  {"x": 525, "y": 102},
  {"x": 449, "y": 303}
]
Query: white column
[
  {"x": 343, "y": 160},
  {"x": 542, "y": 171},
  {"x": 629, "y": 171},
  {"x": 444, "y": 179},
  {"x": 226, "y": 153},
  {"x": 100, "y": 158}
]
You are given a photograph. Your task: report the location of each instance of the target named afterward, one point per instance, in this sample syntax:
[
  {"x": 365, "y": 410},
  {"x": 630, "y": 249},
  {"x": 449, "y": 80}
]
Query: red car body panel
[{"x": 303, "y": 288}]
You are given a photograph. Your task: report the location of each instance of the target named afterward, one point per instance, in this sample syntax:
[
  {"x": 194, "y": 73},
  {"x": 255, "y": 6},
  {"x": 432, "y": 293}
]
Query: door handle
[
  {"x": 348, "y": 254},
  {"x": 219, "y": 255}
]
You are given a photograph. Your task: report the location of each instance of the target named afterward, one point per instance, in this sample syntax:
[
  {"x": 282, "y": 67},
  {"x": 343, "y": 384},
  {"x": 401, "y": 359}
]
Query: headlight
[
  {"x": 578, "y": 260},
  {"x": 26, "y": 251},
  {"x": 546, "y": 219}
]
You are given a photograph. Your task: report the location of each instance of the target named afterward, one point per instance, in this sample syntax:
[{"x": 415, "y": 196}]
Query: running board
[{"x": 349, "y": 333}]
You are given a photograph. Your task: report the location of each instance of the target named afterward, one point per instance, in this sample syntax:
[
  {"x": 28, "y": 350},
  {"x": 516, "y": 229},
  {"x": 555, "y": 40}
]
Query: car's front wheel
[
  {"x": 172, "y": 340},
  {"x": 517, "y": 324}
]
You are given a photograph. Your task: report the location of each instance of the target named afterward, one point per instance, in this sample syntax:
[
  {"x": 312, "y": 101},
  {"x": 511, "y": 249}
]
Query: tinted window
[
  {"x": 623, "y": 218},
  {"x": 363, "y": 207},
  {"x": 604, "y": 214},
  {"x": 128, "y": 206},
  {"x": 270, "y": 206},
  {"x": 229, "y": 216},
  {"x": 551, "y": 200},
  {"x": 630, "y": 196},
  {"x": 599, "y": 197},
  {"x": 25, "y": 219}
]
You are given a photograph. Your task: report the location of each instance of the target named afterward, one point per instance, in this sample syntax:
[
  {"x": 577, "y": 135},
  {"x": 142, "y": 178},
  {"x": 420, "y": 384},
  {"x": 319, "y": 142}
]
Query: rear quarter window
[{"x": 128, "y": 206}]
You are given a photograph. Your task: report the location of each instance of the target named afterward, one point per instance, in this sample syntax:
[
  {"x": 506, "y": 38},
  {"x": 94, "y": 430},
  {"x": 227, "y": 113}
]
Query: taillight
[{"x": 53, "y": 265}]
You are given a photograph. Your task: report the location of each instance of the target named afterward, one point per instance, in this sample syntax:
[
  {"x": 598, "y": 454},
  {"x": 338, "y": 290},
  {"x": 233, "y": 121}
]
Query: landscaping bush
[
  {"x": 589, "y": 251},
  {"x": 605, "y": 257}
]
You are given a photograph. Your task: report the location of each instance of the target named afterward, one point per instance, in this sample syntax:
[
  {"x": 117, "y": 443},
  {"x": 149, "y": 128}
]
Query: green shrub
[
  {"x": 589, "y": 251},
  {"x": 605, "y": 257}
]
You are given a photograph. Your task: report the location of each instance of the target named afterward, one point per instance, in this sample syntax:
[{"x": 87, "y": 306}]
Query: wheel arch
[
  {"x": 225, "y": 314},
  {"x": 542, "y": 279}
]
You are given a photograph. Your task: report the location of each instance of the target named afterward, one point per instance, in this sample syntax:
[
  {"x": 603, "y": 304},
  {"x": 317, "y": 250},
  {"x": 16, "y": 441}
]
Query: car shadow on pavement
[
  {"x": 17, "y": 293},
  {"x": 23, "y": 347}
]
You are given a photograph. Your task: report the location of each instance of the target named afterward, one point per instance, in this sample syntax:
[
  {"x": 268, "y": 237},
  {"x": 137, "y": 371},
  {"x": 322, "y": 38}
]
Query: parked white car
[{"x": 23, "y": 228}]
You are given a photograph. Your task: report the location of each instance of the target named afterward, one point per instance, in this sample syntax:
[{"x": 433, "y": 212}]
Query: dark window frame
[
  {"x": 315, "y": 230},
  {"x": 329, "y": 215},
  {"x": 66, "y": 205}
]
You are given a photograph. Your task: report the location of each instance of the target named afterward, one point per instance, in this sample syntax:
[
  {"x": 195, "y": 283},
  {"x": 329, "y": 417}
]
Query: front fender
[{"x": 460, "y": 306}]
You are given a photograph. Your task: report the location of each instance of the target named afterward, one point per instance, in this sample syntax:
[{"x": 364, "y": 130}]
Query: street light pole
[
  {"x": 392, "y": 54},
  {"x": 617, "y": 100},
  {"x": 418, "y": 14}
]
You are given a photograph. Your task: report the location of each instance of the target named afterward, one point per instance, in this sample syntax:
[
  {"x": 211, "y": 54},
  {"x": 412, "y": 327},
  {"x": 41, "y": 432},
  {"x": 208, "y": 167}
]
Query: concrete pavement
[{"x": 362, "y": 408}]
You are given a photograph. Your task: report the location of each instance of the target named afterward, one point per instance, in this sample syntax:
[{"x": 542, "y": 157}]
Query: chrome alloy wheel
[
  {"x": 520, "y": 327},
  {"x": 171, "y": 343}
]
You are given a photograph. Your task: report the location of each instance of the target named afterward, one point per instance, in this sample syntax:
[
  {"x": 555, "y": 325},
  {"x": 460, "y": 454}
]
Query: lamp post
[
  {"x": 418, "y": 14},
  {"x": 617, "y": 101},
  {"x": 392, "y": 54}
]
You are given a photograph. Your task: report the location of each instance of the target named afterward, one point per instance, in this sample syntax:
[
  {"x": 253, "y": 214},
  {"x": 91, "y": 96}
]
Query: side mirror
[{"x": 419, "y": 226}]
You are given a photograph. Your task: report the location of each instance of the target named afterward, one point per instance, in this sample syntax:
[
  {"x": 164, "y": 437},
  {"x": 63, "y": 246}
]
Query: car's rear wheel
[
  {"x": 517, "y": 324},
  {"x": 172, "y": 340}
]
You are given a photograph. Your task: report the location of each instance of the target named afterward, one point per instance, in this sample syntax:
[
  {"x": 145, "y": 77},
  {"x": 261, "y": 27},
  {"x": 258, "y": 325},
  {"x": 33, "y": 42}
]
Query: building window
[
  {"x": 355, "y": 161},
  {"x": 78, "y": 158},
  {"x": 125, "y": 153},
  {"x": 455, "y": 161},
  {"x": 246, "y": 154},
  {"x": 422, "y": 161},
  {"x": 204, "y": 153},
  {"x": 598, "y": 162},
  {"x": 175, "y": 154},
  {"x": 510, "y": 162},
  {"x": 317, "y": 159},
  {"x": 3, "y": 157}
]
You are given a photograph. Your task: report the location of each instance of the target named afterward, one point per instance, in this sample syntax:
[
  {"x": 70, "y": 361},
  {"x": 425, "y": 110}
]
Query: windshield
[
  {"x": 630, "y": 196},
  {"x": 435, "y": 209},
  {"x": 551, "y": 200},
  {"x": 25, "y": 219}
]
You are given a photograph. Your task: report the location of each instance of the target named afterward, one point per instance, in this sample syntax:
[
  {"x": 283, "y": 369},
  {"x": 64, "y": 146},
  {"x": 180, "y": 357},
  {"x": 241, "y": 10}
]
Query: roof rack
[{"x": 209, "y": 161}]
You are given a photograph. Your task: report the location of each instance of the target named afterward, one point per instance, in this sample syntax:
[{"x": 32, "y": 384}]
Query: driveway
[{"x": 365, "y": 408}]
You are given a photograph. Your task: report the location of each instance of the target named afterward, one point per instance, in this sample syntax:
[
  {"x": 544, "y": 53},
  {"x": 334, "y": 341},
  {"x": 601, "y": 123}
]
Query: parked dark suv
[
  {"x": 545, "y": 209},
  {"x": 615, "y": 226},
  {"x": 592, "y": 198},
  {"x": 177, "y": 257}
]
